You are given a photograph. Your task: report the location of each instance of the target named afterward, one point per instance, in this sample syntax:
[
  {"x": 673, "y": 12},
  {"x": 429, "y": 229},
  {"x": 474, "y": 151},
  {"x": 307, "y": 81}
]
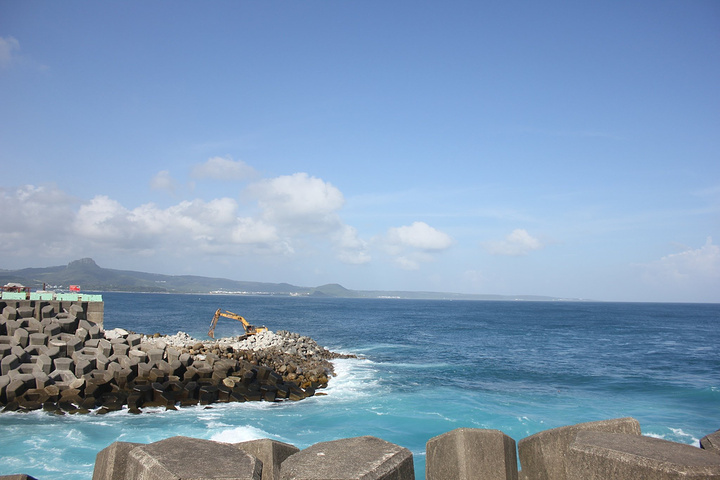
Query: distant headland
[{"x": 91, "y": 277}]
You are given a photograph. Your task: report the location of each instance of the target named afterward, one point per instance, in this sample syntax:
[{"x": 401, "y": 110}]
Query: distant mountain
[{"x": 91, "y": 277}]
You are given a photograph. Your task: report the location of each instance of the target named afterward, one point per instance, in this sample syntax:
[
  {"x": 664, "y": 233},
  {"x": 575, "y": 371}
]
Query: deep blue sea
[{"x": 426, "y": 367}]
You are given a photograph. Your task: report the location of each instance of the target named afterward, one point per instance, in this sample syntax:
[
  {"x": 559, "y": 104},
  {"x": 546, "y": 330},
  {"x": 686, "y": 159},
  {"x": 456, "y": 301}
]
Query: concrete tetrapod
[
  {"x": 271, "y": 453},
  {"x": 543, "y": 455},
  {"x": 601, "y": 455},
  {"x": 711, "y": 442},
  {"x": 111, "y": 461},
  {"x": 179, "y": 458},
  {"x": 366, "y": 458},
  {"x": 471, "y": 453}
]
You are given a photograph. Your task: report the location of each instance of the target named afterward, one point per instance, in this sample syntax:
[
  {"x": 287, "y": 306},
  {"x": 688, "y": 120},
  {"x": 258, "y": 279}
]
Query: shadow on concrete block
[
  {"x": 179, "y": 458},
  {"x": 21, "y": 476},
  {"x": 366, "y": 458},
  {"x": 601, "y": 455},
  {"x": 110, "y": 462},
  {"x": 271, "y": 453},
  {"x": 543, "y": 455},
  {"x": 471, "y": 453}
]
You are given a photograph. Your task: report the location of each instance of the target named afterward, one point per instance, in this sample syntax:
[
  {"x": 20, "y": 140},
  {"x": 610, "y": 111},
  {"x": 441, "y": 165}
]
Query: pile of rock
[{"x": 64, "y": 363}]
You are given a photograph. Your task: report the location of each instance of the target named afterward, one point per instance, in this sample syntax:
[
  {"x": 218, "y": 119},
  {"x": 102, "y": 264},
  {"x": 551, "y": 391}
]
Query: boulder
[
  {"x": 357, "y": 458},
  {"x": 469, "y": 453},
  {"x": 601, "y": 455}
]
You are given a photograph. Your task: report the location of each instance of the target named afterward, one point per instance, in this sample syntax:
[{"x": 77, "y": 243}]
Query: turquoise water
[{"x": 427, "y": 367}]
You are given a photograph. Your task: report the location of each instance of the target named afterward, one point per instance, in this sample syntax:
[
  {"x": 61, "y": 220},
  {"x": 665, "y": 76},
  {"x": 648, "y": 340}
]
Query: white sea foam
[
  {"x": 243, "y": 433},
  {"x": 353, "y": 378}
]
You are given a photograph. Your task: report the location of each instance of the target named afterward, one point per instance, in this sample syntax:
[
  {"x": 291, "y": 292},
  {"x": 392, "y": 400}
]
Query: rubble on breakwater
[{"x": 62, "y": 362}]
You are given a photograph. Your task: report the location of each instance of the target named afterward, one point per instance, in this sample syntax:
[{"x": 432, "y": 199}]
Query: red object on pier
[{"x": 74, "y": 288}]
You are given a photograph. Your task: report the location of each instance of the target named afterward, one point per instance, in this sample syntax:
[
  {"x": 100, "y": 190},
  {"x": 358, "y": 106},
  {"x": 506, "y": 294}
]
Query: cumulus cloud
[
  {"x": 517, "y": 243},
  {"x": 277, "y": 217},
  {"x": 419, "y": 235},
  {"x": 223, "y": 168},
  {"x": 299, "y": 203},
  {"x": 691, "y": 263},
  {"x": 9, "y": 46},
  {"x": 412, "y": 245},
  {"x": 37, "y": 221},
  {"x": 163, "y": 181}
]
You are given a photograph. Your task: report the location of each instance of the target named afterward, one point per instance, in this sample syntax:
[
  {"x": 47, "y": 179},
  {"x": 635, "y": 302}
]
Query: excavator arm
[{"x": 249, "y": 329}]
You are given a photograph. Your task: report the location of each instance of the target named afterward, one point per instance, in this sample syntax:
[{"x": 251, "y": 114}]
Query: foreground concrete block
[
  {"x": 20, "y": 476},
  {"x": 180, "y": 458},
  {"x": 543, "y": 455},
  {"x": 110, "y": 462},
  {"x": 271, "y": 453},
  {"x": 601, "y": 455},
  {"x": 471, "y": 453},
  {"x": 366, "y": 458},
  {"x": 711, "y": 442}
]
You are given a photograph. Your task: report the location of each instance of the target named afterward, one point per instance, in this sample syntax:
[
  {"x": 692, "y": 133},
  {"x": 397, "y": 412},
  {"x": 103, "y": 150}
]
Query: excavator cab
[{"x": 249, "y": 329}]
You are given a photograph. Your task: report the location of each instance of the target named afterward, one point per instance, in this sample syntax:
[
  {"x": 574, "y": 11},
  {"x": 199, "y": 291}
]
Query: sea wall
[
  {"x": 55, "y": 357},
  {"x": 610, "y": 449},
  {"x": 93, "y": 309}
]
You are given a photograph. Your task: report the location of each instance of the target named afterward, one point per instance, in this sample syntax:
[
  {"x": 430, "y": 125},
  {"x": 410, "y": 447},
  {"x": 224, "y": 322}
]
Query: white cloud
[
  {"x": 350, "y": 247},
  {"x": 163, "y": 181},
  {"x": 517, "y": 243},
  {"x": 221, "y": 168},
  {"x": 8, "y": 47},
  {"x": 691, "y": 264},
  {"x": 412, "y": 245},
  {"x": 299, "y": 203},
  {"x": 419, "y": 235}
]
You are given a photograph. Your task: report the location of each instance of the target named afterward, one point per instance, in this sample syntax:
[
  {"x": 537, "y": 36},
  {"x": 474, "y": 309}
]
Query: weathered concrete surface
[
  {"x": 543, "y": 455},
  {"x": 471, "y": 453},
  {"x": 271, "y": 453},
  {"x": 110, "y": 462},
  {"x": 711, "y": 442},
  {"x": 602, "y": 455},
  {"x": 21, "y": 476},
  {"x": 366, "y": 458},
  {"x": 179, "y": 458}
]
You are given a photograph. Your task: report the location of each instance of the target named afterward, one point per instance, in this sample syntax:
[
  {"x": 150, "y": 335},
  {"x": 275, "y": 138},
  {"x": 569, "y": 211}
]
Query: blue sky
[{"x": 568, "y": 149}]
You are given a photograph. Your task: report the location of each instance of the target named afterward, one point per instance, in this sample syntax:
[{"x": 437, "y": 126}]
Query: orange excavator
[{"x": 249, "y": 329}]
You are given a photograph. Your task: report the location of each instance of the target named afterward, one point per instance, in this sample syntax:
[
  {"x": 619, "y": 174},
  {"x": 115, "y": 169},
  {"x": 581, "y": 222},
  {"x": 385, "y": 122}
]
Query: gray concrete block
[
  {"x": 67, "y": 324},
  {"x": 110, "y": 462},
  {"x": 120, "y": 349},
  {"x": 357, "y": 458},
  {"x": 22, "y": 337},
  {"x": 11, "y": 326},
  {"x": 64, "y": 363},
  {"x": 105, "y": 347},
  {"x": 543, "y": 455},
  {"x": 5, "y": 349},
  {"x": 602, "y": 455},
  {"x": 48, "y": 311},
  {"x": 38, "y": 339},
  {"x": 7, "y": 340},
  {"x": 77, "y": 311},
  {"x": 471, "y": 453},
  {"x": 9, "y": 363},
  {"x": 4, "y": 382},
  {"x": 271, "y": 453},
  {"x": 17, "y": 386},
  {"x": 10, "y": 313},
  {"x": 52, "y": 329},
  {"x": 191, "y": 458},
  {"x": 25, "y": 311},
  {"x": 139, "y": 355},
  {"x": 711, "y": 442},
  {"x": 19, "y": 476},
  {"x": 44, "y": 363},
  {"x": 42, "y": 379},
  {"x": 61, "y": 345}
]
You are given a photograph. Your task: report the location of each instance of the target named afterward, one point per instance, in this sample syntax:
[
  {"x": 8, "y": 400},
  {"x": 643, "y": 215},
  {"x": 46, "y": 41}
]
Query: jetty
[{"x": 56, "y": 356}]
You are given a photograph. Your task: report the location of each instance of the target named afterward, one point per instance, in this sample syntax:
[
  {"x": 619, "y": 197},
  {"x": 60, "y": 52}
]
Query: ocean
[{"x": 425, "y": 367}]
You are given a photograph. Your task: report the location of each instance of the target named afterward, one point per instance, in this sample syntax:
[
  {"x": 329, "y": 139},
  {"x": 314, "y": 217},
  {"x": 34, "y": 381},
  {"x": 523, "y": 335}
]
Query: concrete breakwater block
[
  {"x": 271, "y": 453},
  {"x": 176, "y": 458},
  {"x": 543, "y": 455},
  {"x": 711, "y": 442},
  {"x": 602, "y": 455},
  {"x": 471, "y": 453},
  {"x": 366, "y": 458}
]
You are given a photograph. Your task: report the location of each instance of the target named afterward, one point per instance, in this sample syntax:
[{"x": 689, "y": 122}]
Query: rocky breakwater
[{"x": 63, "y": 363}]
